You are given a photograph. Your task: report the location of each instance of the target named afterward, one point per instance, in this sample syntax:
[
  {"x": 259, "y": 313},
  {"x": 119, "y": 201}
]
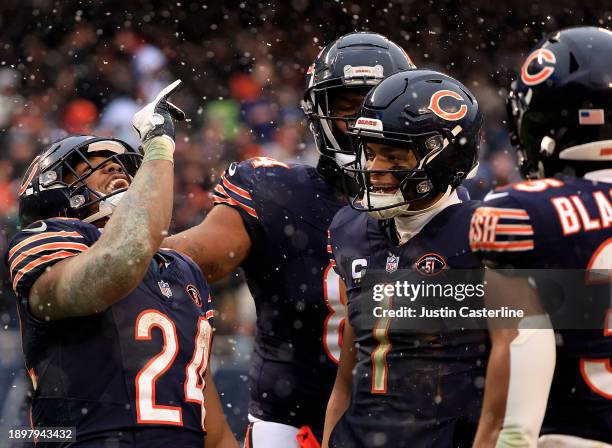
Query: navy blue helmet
[
  {"x": 358, "y": 61},
  {"x": 560, "y": 105},
  {"x": 429, "y": 113}
]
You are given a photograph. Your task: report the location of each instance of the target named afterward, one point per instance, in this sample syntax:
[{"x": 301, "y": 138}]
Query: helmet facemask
[
  {"x": 64, "y": 177},
  {"x": 414, "y": 185},
  {"x": 326, "y": 122},
  {"x": 84, "y": 198},
  {"x": 529, "y": 161}
]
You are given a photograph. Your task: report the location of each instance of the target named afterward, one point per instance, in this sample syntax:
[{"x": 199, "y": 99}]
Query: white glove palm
[{"x": 156, "y": 119}]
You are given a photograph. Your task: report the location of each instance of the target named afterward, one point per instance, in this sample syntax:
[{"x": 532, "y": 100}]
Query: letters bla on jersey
[
  {"x": 286, "y": 210},
  {"x": 440, "y": 372},
  {"x": 139, "y": 363},
  {"x": 560, "y": 223}
]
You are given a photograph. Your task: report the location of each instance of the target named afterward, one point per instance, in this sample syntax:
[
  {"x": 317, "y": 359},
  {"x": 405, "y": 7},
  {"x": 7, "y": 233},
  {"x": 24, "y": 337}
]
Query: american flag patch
[{"x": 591, "y": 116}]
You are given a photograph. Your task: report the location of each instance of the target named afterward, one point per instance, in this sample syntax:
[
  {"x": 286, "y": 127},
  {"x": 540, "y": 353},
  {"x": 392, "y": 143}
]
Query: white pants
[
  {"x": 261, "y": 434},
  {"x": 561, "y": 441}
]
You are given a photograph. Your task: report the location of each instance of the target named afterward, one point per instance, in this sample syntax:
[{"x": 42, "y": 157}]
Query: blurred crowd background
[{"x": 87, "y": 66}]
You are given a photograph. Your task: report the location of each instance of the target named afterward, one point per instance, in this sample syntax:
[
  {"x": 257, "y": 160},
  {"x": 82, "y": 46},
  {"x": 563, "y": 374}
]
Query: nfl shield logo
[
  {"x": 392, "y": 262},
  {"x": 165, "y": 288}
]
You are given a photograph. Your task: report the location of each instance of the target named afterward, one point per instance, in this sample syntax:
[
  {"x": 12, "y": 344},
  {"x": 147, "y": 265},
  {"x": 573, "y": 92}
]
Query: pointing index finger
[{"x": 167, "y": 91}]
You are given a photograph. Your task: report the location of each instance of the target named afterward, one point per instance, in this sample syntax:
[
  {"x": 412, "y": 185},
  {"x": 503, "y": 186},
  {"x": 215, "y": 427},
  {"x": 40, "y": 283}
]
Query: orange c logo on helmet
[
  {"x": 541, "y": 54},
  {"x": 434, "y": 105}
]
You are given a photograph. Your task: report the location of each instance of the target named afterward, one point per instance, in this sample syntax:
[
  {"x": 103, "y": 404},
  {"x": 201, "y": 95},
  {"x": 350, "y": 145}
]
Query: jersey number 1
[{"x": 147, "y": 411}]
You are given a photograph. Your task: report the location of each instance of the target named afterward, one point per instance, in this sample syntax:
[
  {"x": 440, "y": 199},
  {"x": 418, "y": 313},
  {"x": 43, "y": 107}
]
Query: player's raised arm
[
  {"x": 218, "y": 244},
  {"x": 341, "y": 393},
  {"x": 100, "y": 276},
  {"x": 519, "y": 371}
]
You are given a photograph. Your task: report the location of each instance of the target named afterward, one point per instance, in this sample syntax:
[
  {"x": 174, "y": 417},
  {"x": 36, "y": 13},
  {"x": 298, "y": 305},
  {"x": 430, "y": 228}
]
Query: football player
[
  {"x": 560, "y": 110},
  {"x": 271, "y": 219},
  {"x": 116, "y": 333},
  {"x": 417, "y": 138}
]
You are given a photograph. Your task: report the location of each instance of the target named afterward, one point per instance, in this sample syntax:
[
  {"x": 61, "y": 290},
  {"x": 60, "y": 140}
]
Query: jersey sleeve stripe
[
  {"x": 219, "y": 190},
  {"x": 40, "y": 261},
  {"x": 502, "y": 246},
  {"x": 512, "y": 229},
  {"x": 237, "y": 190},
  {"x": 43, "y": 236},
  {"x": 508, "y": 213},
  {"x": 230, "y": 201},
  {"x": 61, "y": 245}
]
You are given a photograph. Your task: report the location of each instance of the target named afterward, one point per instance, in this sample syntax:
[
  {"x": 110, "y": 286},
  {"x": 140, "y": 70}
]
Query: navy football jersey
[
  {"x": 286, "y": 210},
  {"x": 560, "y": 223},
  {"x": 133, "y": 374},
  {"x": 410, "y": 388}
]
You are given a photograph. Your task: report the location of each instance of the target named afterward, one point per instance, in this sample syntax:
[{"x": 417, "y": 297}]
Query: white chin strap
[
  {"x": 344, "y": 159},
  {"x": 107, "y": 207},
  {"x": 376, "y": 200}
]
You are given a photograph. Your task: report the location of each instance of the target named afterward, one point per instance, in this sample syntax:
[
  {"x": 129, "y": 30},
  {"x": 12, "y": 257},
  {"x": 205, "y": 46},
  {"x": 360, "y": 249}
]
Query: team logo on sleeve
[
  {"x": 430, "y": 264},
  {"x": 232, "y": 169},
  {"x": 41, "y": 228},
  {"x": 457, "y": 112},
  {"x": 193, "y": 292},
  {"x": 392, "y": 264},
  {"x": 542, "y": 55},
  {"x": 165, "y": 288}
]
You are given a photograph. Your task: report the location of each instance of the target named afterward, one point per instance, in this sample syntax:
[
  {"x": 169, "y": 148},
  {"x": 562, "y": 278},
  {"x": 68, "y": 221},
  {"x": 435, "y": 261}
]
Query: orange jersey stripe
[
  {"x": 239, "y": 191},
  {"x": 512, "y": 213},
  {"x": 511, "y": 229},
  {"x": 48, "y": 246},
  {"x": 42, "y": 236},
  {"x": 503, "y": 245},
  {"x": 44, "y": 259},
  {"x": 219, "y": 189},
  {"x": 231, "y": 201},
  {"x": 218, "y": 200}
]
